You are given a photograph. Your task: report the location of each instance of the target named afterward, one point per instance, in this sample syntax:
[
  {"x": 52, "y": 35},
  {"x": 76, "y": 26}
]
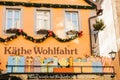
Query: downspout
[{"x": 99, "y": 13}]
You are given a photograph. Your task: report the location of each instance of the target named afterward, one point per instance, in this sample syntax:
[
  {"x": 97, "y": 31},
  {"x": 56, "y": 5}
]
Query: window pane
[
  {"x": 75, "y": 20},
  {"x": 17, "y": 23},
  {"x": 68, "y": 16},
  {"x": 47, "y": 14},
  {"x": 39, "y": 17},
  {"x": 9, "y": 23},
  {"x": 17, "y": 14},
  {"x": 71, "y": 21},
  {"x": 17, "y": 19},
  {"x": 9, "y": 14},
  {"x": 74, "y": 17},
  {"x": 75, "y": 25},
  {"x": 47, "y": 20}
]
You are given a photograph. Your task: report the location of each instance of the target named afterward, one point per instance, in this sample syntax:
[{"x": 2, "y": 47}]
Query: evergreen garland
[
  {"x": 27, "y": 4},
  {"x": 20, "y": 32}
]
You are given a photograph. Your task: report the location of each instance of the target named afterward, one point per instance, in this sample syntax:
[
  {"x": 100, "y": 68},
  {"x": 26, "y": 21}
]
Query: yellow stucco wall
[{"x": 82, "y": 44}]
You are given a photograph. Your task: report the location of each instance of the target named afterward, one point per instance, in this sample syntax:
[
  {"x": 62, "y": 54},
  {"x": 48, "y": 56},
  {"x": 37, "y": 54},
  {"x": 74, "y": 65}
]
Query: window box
[
  {"x": 11, "y": 30},
  {"x": 71, "y": 32},
  {"x": 42, "y": 31}
]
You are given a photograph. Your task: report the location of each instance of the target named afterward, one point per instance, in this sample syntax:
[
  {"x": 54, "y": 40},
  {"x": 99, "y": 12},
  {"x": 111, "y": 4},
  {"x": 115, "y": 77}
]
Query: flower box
[
  {"x": 42, "y": 31},
  {"x": 71, "y": 32},
  {"x": 11, "y": 30}
]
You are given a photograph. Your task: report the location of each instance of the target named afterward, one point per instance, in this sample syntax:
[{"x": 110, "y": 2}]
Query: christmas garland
[
  {"x": 26, "y": 4},
  {"x": 20, "y": 32}
]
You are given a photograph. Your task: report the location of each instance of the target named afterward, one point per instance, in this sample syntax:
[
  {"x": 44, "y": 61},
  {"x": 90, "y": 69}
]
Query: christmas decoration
[
  {"x": 42, "y": 31},
  {"x": 71, "y": 32},
  {"x": 80, "y": 33},
  {"x": 99, "y": 25},
  {"x": 20, "y": 32},
  {"x": 47, "y": 33},
  {"x": 27, "y": 4}
]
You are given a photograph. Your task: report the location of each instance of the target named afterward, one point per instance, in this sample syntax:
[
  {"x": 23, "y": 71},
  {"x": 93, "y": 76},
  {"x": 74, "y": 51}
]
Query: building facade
[
  {"x": 49, "y": 36},
  {"x": 110, "y": 38}
]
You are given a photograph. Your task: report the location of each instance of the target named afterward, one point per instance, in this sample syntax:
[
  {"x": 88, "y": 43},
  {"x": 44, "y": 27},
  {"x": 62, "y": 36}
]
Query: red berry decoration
[
  {"x": 34, "y": 41},
  {"x": 20, "y": 30},
  {"x": 50, "y": 32},
  {"x": 80, "y": 33}
]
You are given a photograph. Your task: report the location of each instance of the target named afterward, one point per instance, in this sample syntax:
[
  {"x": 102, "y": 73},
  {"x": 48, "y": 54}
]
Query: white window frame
[
  {"x": 78, "y": 19},
  {"x": 5, "y": 18},
  {"x": 42, "y": 9}
]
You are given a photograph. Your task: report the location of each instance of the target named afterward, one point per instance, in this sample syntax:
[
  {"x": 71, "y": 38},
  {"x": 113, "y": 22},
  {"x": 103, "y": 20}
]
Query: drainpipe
[{"x": 99, "y": 13}]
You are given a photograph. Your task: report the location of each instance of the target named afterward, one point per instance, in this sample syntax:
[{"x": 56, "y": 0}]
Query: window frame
[
  {"x": 6, "y": 8},
  {"x": 79, "y": 19},
  {"x": 35, "y": 18}
]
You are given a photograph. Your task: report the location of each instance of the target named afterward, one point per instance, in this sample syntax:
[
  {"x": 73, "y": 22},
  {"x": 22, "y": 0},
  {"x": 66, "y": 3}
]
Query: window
[
  {"x": 42, "y": 21},
  {"x": 71, "y": 21},
  {"x": 12, "y": 20}
]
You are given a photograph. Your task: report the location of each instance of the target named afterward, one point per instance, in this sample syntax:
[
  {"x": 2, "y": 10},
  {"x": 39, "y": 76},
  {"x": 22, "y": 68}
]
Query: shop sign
[{"x": 40, "y": 50}]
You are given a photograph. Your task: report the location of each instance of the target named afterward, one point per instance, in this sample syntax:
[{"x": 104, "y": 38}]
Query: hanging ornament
[
  {"x": 31, "y": 39},
  {"x": 11, "y": 39},
  {"x": 34, "y": 41},
  {"x": 50, "y": 32},
  {"x": 80, "y": 33},
  {"x": 20, "y": 30}
]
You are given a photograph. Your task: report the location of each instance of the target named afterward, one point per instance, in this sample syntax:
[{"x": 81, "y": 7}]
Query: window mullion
[{"x": 13, "y": 17}]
